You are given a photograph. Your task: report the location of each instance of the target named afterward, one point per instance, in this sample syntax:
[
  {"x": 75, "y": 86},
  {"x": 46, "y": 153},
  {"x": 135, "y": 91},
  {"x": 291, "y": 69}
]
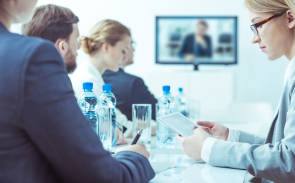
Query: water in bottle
[
  {"x": 88, "y": 102},
  {"x": 105, "y": 126},
  {"x": 181, "y": 103},
  {"x": 166, "y": 105},
  {"x": 108, "y": 99}
]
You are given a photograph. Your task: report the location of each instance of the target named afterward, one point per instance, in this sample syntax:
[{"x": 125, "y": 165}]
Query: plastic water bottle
[
  {"x": 181, "y": 103},
  {"x": 88, "y": 102},
  {"x": 105, "y": 126},
  {"x": 166, "y": 105},
  {"x": 108, "y": 99}
]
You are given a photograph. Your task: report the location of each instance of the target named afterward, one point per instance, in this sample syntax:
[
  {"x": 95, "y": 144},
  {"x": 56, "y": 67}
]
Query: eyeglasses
[{"x": 255, "y": 26}]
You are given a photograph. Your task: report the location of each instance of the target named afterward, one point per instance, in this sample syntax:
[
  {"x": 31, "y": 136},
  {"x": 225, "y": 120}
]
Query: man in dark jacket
[
  {"x": 129, "y": 89},
  {"x": 44, "y": 137}
]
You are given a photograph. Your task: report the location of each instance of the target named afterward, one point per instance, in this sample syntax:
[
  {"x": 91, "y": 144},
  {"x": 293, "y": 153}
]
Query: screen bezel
[{"x": 196, "y": 62}]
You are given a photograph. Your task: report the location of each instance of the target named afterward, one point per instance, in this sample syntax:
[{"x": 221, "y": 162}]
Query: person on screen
[
  {"x": 197, "y": 44},
  {"x": 270, "y": 159},
  {"x": 129, "y": 89},
  {"x": 44, "y": 136}
]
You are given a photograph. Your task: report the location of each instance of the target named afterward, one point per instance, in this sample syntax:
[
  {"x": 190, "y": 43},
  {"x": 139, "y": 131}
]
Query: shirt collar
[{"x": 91, "y": 69}]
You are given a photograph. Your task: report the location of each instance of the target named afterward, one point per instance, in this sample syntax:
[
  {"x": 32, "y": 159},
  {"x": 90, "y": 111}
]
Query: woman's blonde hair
[
  {"x": 105, "y": 31},
  {"x": 270, "y": 6}
]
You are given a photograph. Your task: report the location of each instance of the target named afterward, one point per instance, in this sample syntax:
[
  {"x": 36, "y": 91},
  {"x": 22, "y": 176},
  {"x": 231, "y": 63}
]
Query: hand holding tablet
[{"x": 178, "y": 123}]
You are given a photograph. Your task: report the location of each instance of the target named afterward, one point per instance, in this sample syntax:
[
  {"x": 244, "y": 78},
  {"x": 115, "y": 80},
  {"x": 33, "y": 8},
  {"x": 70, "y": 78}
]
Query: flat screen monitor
[{"x": 196, "y": 40}]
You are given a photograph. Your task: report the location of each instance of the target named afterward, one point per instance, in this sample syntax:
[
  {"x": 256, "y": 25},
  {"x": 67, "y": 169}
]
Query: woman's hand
[
  {"x": 192, "y": 145},
  {"x": 215, "y": 129}
]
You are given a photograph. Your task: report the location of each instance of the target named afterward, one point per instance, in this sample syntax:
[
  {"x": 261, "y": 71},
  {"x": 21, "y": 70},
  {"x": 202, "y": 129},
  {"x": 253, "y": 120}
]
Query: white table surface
[{"x": 173, "y": 166}]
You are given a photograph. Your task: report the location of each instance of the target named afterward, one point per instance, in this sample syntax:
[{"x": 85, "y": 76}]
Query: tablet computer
[{"x": 178, "y": 123}]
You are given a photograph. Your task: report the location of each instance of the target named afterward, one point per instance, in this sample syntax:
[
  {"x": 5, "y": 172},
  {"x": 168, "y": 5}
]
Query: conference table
[{"x": 173, "y": 166}]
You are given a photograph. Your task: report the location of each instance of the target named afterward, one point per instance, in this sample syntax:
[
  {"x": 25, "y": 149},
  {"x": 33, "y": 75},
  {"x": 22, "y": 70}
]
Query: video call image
[{"x": 191, "y": 39}]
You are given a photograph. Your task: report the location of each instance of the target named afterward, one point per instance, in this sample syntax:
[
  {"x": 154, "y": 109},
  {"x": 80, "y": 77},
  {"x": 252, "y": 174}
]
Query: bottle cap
[
  {"x": 88, "y": 86},
  {"x": 166, "y": 89},
  {"x": 107, "y": 88}
]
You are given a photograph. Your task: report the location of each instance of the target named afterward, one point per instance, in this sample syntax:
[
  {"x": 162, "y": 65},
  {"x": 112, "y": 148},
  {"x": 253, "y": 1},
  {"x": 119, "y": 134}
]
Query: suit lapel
[
  {"x": 275, "y": 118},
  {"x": 270, "y": 133},
  {"x": 272, "y": 127}
]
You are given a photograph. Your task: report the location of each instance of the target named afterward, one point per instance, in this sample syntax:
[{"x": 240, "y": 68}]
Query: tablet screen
[{"x": 178, "y": 123}]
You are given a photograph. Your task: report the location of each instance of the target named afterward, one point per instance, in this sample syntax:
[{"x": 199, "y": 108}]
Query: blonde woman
[
  {"x": 106, "y": 45},
  {"x": 44, "y": 137},
  {"x": 271, "y": 159}
]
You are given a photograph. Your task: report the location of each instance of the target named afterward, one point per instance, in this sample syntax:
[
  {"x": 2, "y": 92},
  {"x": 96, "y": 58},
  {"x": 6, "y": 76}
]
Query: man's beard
[
  {"x": 70, "y": 62},
  {"x": 71, "y": 68}
]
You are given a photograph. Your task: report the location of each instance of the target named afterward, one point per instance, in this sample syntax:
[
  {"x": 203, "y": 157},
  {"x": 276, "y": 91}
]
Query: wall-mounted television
[{"x": 196, "y": 40}]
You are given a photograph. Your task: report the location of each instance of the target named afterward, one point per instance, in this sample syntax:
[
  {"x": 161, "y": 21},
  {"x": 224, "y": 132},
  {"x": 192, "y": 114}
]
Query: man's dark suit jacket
[
  {"x": 190, "y": 46},
  {"x": 44, "y": 137},
  {"x": 129, "y": 89}
]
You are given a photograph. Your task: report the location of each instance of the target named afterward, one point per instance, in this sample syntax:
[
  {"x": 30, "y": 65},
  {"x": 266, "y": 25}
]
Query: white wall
[{"x": 254, "y": 79}]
